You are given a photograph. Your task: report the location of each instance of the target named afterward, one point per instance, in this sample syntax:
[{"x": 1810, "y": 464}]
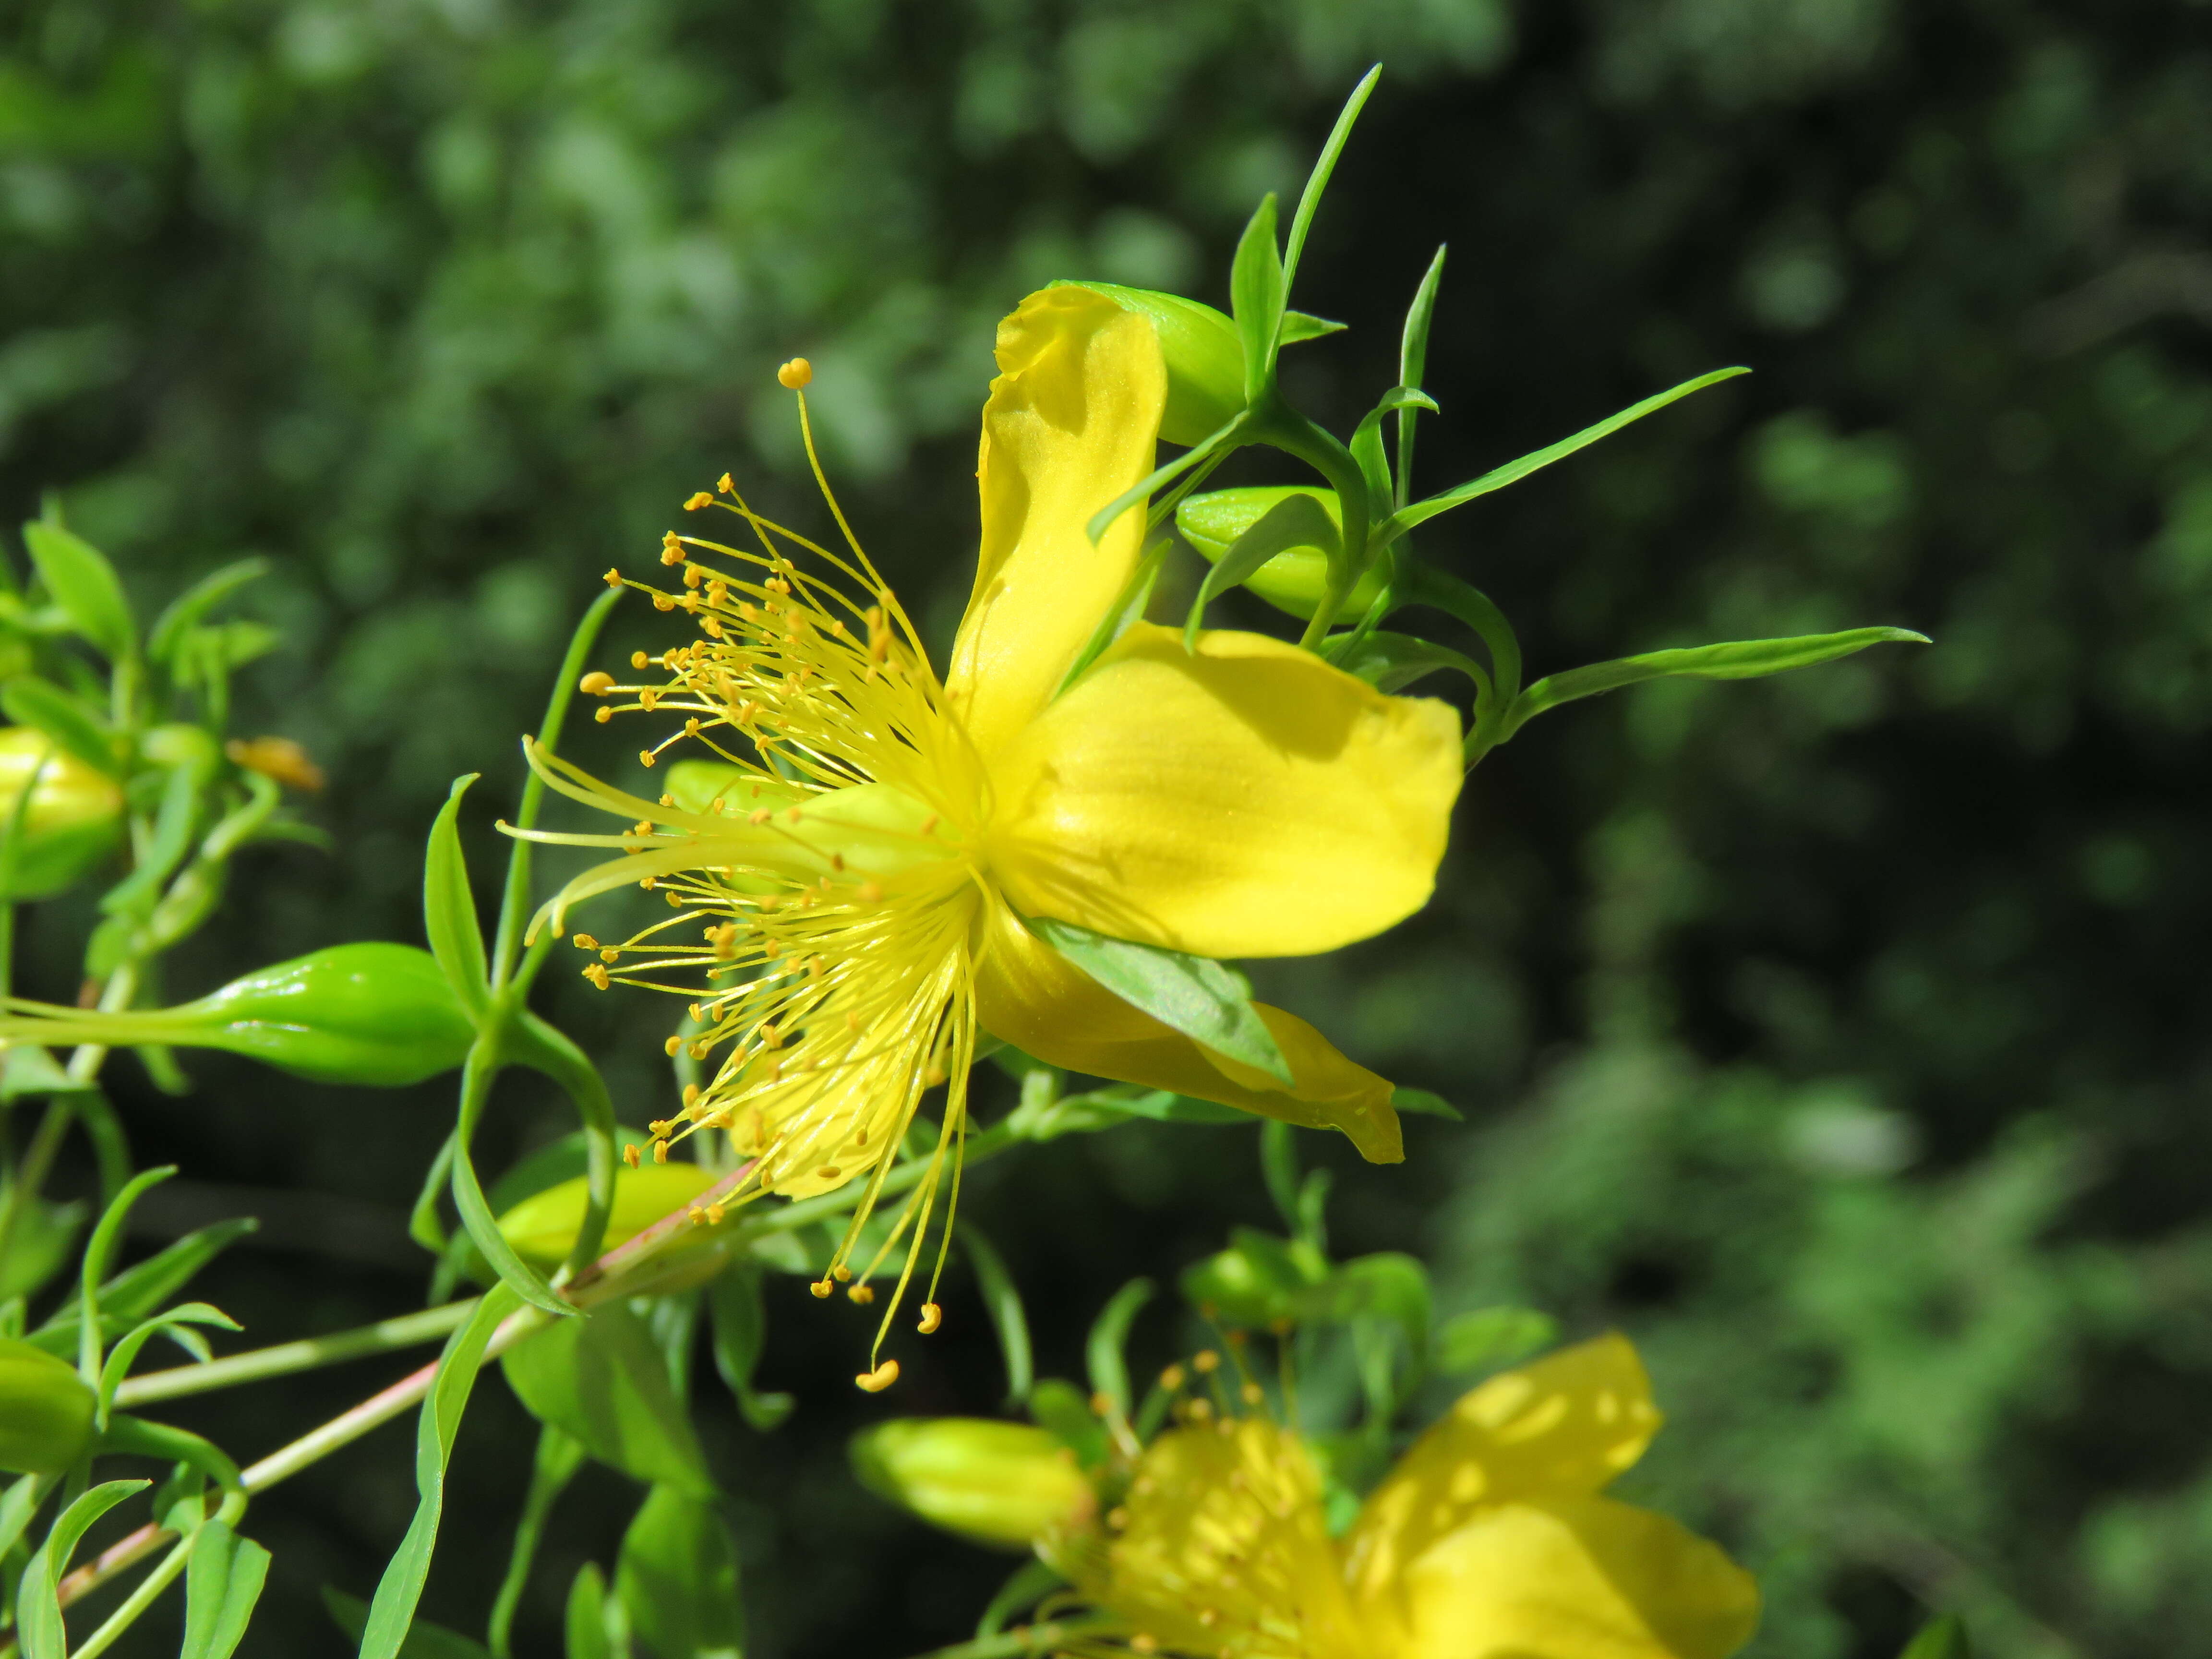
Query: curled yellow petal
[
  {"x": 1563, "y": 1427},
  {"x": 1249, "y": 801},
  {"x": 1574, "y": 1578},
  {"x": 1073, "y": 420},
  {"x": 1031, "y": 996}
]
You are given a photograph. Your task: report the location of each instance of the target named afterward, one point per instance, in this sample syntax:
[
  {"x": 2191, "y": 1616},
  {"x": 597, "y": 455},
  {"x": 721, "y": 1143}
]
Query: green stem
[{"x": 285, "y": 1358}]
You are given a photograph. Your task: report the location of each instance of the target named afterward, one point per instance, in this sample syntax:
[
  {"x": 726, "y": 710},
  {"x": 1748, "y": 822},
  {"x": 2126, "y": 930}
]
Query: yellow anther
[
  {"x": 584, "y": 942},
  {"x": 613, "y": 578},
  {"x": 596, "y": 974},
  {"x": 836, "y": 861},
  {"x": 597, "y": 684},
  {"x": 821, "y": 1289},
  {"x": 1199, "y": 1411},
  {"x": 861, "y": 1294},
  {"x": 790, "y": 377},
  {"x": 841, "y": 1272},
  {"x": 1141, "y": 1642},
  {"x": 691, "y": 577},
  {"x": 630, "y": 1155},
  {"x": 933, "y": 1077},
  {"x": 715, "y": 1214},
  {"x": 691, "y": 1095},
  {"x": 1102, "y": 1404},
  {"x": 1171, "y": 1378},
  {"x": 638, "y": 659},
  {"x": 760, "y": 815},
  {"x": 671, "y": 1046},
  {"x": 603, "y": 715},
  {"x": 660, "y": 1152},
  {"x": 662, "y": 602},
  {"x": 882, "y": 1377},
  {"x": 1117, "y": 1517},
  {"x": 932, "y": 1317},
  {"x": 792, "y": 814},
  {"x": 1253, "y": 1393},
  {"x": 870, "y": 893},
  {"x": 697, "y": 501},
  {"x": 830, "y": 1172},
  {"x": 1206, "y": 1362},
  {"x": 724, "y": 485},
  {"x": 671, "y": 550},
  {"x": 610, "y": 954},
  {"x": 645, "y": 757}
]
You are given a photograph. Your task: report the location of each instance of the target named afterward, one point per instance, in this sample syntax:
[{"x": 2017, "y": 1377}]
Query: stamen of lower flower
[{"x": 882, "y": 1377}]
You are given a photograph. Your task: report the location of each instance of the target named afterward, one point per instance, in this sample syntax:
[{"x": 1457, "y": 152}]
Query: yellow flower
[
  {"x": 1490, "y": 1540},
  {"x": 852, "y": 873}
]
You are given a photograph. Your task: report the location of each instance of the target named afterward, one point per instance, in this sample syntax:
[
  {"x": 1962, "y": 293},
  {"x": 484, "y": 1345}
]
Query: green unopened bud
[
  {"x": 45, "y": 1411},
  {"x": 73, "y": 820},
  {"x": 1006, "y": 1484},
  {"x": 543, "y": 1227},
  {"x": 372, "y": 1013},
  {"x": 1295, "y": 579},
  {"x": 1205, "y": 358},
  {"x": 1257, "y": 1283}
]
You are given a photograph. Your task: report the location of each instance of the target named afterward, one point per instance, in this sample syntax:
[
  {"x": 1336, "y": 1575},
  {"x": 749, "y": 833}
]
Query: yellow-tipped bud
[
  {"x": 74, "y": 819},
  {"x": 1006, "y": 1484},
  {"x": 45, "y": 1411}
]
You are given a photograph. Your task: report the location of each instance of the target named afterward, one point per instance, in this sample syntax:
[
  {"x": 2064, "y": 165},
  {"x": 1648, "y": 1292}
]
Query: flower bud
[
  {"x": 372, "y": 1013},
  {"x": 45, "y": 1411},
  {"x": 1006, "y": 1484},
  {"x": 1256, "y": 1283},
  {"x": 1205, "y": 358},
  {"x": 1292, "y": 580},
  {"x": 543, "y": 1227},
  {"x": 75, "y": 818}
]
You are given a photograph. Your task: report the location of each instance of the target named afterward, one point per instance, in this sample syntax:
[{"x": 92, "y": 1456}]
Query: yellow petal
[
  {"x": 1032, "y": 996},
  {"x": 1073, "y": 420},
  {"x": 1575, "y": 1578},
  {"x": 1560, "y": 1428},
  {"x": 1246, "y": 801},
  {"x": 1222, "y": 1549}
]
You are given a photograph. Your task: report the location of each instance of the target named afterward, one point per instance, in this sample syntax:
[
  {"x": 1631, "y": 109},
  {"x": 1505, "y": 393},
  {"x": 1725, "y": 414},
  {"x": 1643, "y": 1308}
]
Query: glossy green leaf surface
[{"x": 1195, "y": 995}]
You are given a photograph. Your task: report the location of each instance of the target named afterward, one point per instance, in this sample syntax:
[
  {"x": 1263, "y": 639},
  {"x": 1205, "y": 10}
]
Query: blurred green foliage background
[{"x": 1840, "y": 1036}]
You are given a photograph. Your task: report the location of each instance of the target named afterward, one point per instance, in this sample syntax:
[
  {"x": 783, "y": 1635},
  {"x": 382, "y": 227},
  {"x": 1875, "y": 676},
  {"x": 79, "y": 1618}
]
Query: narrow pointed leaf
[
  {"x": 1513, "y": 472},
  {"x": 1413, "y": 363},
  {"x": 1366, "y": 444},
  {"x": 1298, "y": 520},
  {"x": 38, "y": 1602},
  {"x": 1221, "y": 442},
  {"x": 1391, "y": 662},
  {"x": 1737, "y": 659},
  {"x": 585, "y": 1622},
  {"x": 1194, "y": 995},
  {"x": 84, "y": 584},
  {"x": 1298, "y": 326},
  {"x": 400, "y": 1590},
  {"x": 449, "y": 909},
  {"x": 1426, "y": 1105},
  {"x": 1324, "y": 164},
  {"x": 221, "y": 1586},
  {"x": 185, "y": 611},
  {"x": 424, "y": 1639},
  {"x": 1940, "y": 1638},
  {"x": 1103, "y": 1350},
  {"x": 1003, "y": 1300},
  {"x": 1255, "y": 297}
]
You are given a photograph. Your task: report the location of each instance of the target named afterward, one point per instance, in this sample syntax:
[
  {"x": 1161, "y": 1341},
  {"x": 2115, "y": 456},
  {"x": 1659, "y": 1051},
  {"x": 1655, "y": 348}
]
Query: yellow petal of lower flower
[
  {"x": 1563, "y": 1427},
  {"x": 1577, "y": 1578},
  {"x": 1073, "y": 420},
  {"x": 1031, "y": 996},
  {"x": 1249, "y": 801}
]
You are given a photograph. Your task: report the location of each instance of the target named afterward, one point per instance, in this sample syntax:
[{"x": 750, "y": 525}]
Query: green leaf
[
  {"x": 1062, "y": 1410},
  {"x": 400, "y": 1589},
  {"x": 1426, "y": 1105},
  {"x": 1298, "y": 327},
  {"x": 449, "y": 909},
  {"x": 185, "y": 612},
  {"x": 1194, "y": 995},
  {"x": 1256, "y": 298},
  {"x": 1109, "y": 1335},
  {"x": 1487, "y": 1338},
  {"x": 83, "y": 582},
  {"x": 1387, "y": 1287},
  {"x": 1943, "y": 1637},
  {"x": 1221, "y": 443},
  {"x": 424, "y": 1640},
  {"x": 677, "y": 1579},
  {"x": 1391, "y": 662},
  {"x": 1406, "y": 518},
  {"x": 601, "y": 1380},
  {"x": 1002, "y": 1299},
  {"x": 559, "y": 1457},
  {"x": 586, "y": 1622},
  {"x": 1154, "y": 1105},
  {"x": 222, "y": 1585},
  {"x": 1324, "y": 164},
  {"x": 1259, "y": 1281},
  {"x": 476, "y": 1217},
  {"x": 99, "y": 1253},
  {"x": 1413, "y": 363},
  {"x": 38, "y": 1249},
  {"x": 738, "y": 1326},
  {"x": 1297, "y": 520},
  {"x": 1738, "y": 659},
  {"x": 30, "y": 701},
  {"x": 177, "y": 1321},
  {"x": 133, "y": 1436},
  {"x": 138, "y": 1290},
  {"x": 37, "y": 1601},
  {"x": 1366, "y": 444}
]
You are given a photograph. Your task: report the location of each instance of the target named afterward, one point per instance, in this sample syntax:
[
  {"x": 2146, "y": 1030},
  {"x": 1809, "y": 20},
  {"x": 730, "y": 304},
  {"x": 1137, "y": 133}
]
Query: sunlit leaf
[{"x": 1195, "y": 995}]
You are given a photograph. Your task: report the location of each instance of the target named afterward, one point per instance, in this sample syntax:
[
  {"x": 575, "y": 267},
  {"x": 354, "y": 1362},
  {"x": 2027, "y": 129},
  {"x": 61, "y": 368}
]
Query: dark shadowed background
[{"x": 1839, "y": 1036}]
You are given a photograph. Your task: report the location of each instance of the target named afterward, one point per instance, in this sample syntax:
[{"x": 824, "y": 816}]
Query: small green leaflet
[
  {"x": 220, "y": 1586},
  {"x": 1256, "y": 291},
  {"x": 1421, "y": 1101},
  {"x": 84, "y": 584},
  {"x": 1737, "y": 659},
  {"x": 1109, "y": 1335},
  {"x": 1194, "y": 995}
]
